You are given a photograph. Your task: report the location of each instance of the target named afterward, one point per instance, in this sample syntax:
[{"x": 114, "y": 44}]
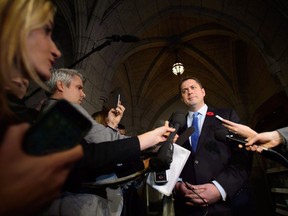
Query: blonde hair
[
  {"x": 101, "y": 117},
  {"x": 17, "y": 19}
]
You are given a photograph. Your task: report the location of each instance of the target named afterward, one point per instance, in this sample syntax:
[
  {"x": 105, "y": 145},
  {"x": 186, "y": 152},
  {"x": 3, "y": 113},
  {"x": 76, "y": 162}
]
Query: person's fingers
[
  {"x": 166, "y": 123},
  {"x": 259, "y": 149},
  {"x": 250, "y": 141},
  {"x": 121, "y": 107},
  {"x": 227, "y": 122},
  {"x": 13, "y": 137},
  {"x": 226, "y": 125}
]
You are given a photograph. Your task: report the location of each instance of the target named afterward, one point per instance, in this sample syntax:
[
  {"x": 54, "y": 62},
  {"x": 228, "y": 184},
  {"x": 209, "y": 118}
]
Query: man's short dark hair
[{"x": 188, "y": 78}]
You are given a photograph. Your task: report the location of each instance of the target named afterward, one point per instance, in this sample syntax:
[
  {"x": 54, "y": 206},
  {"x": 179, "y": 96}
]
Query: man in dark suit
[{"x": 215, "y": 176}]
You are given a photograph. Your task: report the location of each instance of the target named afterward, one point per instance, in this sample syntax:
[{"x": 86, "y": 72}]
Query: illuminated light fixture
[{"x": 178, "y": 67}]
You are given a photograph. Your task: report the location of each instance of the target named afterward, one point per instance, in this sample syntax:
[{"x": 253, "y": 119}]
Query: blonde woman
[{"x": 27, "y": 50}]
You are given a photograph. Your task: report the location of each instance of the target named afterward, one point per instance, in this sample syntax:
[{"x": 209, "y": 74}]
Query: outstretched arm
[
  {"x": 155, "y": 136},
  {"x": 122, "y": 150}
]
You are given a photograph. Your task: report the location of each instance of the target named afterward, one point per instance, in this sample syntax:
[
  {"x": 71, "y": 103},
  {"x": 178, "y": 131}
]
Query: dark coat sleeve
[
  {"x": 99, "y": 159},
  {"x": 99, "y": 155}
]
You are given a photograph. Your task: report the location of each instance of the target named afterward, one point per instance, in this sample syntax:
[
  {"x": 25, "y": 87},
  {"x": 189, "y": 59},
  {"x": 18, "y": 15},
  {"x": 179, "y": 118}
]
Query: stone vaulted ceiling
[{"x": 237, "y": 48}]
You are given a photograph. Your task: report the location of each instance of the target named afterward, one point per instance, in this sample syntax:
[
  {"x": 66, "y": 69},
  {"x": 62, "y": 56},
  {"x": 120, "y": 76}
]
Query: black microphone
[
  {"x": 184, "y": 136},
  {"x": 164, "y": 155},
  {"x": 177, "y": 120},
  {"x": 223, "y": 135},
  {"x": 123, "y": 38}
]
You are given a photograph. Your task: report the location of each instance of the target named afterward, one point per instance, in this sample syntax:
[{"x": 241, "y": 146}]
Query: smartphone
[
  {"x": 160, "y": 178},
  {"x": 60, "y": 128},
  {"x": 118, "y": 100},
  {"x": 219, "y": 118}
]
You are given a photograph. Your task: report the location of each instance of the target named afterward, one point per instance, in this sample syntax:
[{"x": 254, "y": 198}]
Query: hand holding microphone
[
  {"x": 164, "y": 155},
  {"x": 223, "y": 136},
  {"x": 266, "y": 139},
  {"x": 255, "y": 142}
]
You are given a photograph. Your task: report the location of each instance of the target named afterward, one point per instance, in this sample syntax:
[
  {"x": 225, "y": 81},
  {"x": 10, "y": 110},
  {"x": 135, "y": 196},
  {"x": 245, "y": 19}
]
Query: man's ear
[{"x": 60, "y": 85}]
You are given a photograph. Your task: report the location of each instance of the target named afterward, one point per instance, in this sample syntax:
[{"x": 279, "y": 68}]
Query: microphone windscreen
[
  {"x": 165, "y": 153},
  {"x": 184, "y": 136},
  {"x": 163, "y": 158},
  {"x": 178, "y": 118},
  {"x": 220, "y": 135}
]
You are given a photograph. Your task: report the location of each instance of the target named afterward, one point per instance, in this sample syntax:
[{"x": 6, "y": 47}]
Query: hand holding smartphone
[{"x": 58, "y": 129}]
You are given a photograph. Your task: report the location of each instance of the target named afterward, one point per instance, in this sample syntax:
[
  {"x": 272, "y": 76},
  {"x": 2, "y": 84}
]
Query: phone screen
[
  {"x": 118, "y": 100},
  {"x": 219, "y": 118},
  {"x": 60, "y": 128}
]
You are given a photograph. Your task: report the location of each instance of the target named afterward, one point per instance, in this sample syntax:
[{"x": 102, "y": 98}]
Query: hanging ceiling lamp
[{"x": 177, "y": 67}]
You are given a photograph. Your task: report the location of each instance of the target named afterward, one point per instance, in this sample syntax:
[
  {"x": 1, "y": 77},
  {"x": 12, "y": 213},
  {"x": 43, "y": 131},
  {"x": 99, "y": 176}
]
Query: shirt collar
[{"x": 202, "y": 111}]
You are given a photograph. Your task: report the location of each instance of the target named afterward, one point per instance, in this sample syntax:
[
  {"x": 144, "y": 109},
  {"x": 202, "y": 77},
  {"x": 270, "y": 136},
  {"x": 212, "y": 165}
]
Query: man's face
[
  {"x": 192, "y": 94},
  {"x": 74, "y": 93}
]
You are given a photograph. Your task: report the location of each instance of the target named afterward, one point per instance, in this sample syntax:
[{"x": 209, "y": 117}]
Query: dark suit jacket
[{"x": 215, "y": 160}]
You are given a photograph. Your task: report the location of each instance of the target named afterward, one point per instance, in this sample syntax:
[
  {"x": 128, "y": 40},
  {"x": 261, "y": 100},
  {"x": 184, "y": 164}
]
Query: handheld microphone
[
  {"x": 123, "y": 38},
  {"x": 222, "y": 135},
  {"x": 177, "y": 120},
  {"x": 184, "y": 136},
  {"x": 164, "y": 155}
]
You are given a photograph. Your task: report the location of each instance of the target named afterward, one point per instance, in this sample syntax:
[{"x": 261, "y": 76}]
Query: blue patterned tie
[{"x": 195, "y": 135}]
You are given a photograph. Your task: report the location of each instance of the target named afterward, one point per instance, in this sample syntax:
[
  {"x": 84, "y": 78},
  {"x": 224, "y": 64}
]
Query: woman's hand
[
  {"x": 30, "y": 182},
  {"x": 264, "y": 140},
  {"x": 239, "y": 129}
]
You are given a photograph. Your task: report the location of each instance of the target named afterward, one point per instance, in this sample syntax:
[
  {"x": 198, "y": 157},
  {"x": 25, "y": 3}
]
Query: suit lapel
[{"x": 208, "y": 122}]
